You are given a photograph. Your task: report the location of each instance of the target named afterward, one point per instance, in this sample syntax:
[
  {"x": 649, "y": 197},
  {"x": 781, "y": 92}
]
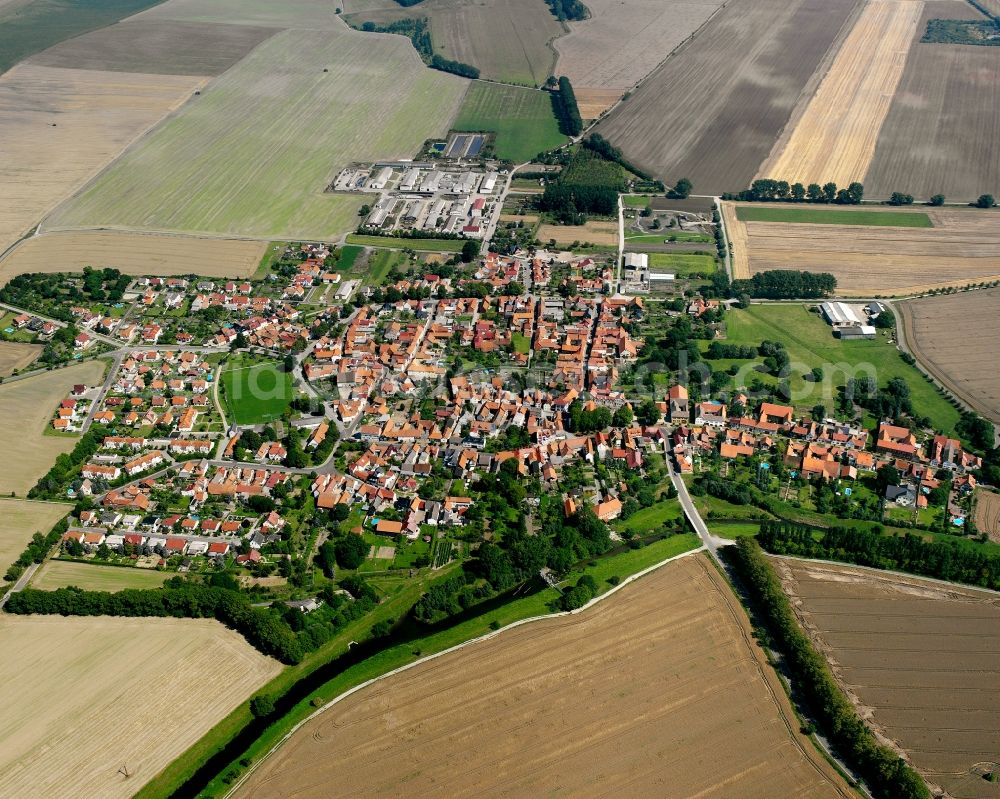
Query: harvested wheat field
[
  {"x": 940, "y": 135},
  {"x": 26, "y": 408},
  {"x": 624, "y": 40},
  {"x": 962, "y": 248},
  {"x": 134, "y": 254},
  {"x": 714, "y": 110},
  {"x": 956, "y": 337},
  {"x": 736, "y": 232},
  {"x": 19, "y": 520},
  {"x": 920, "y": 659},
  {"x": 15, "y": 356},
  {"x": 604, "y": 234},
  {"x": 253, "y": 155},
  {"x": 304, "y": 14},
  {"x": 133, "y": 691},
  {"x": 594, "y": 102},
  {"x": 59, "y": 127},
  {"x": 633, "y": 695},
  {"x": 160, "y": 46},
  {"x": 835, "y": 137},
  {"x": 987, "y": 516}
]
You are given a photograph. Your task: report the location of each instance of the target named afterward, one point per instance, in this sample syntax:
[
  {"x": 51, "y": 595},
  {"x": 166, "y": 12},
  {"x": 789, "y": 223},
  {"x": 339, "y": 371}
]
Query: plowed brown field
[
  {"x": 658, "y": 690},
  {"x": 920, "y": 659},
  {"x": 835, "y": 137},
  {"x": 134, "y": 254},
  {"x": 714, "y": 110},
  {"x": 962, "y": 248},
  {"x": 940, "y": 135},
  {"x": 957, "y": 338}
]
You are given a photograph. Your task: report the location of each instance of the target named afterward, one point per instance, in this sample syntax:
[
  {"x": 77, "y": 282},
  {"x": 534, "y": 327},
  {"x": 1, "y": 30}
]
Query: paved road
[
  {"x": 712, "y": 543},
  {"x": 21, "y": 583}
]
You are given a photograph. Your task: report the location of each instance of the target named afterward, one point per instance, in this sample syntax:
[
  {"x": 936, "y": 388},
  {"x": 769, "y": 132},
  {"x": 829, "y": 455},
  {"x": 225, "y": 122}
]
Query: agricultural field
[
  {"x": 303, "y": 14},
  {"x": 832, "y": 216},
  {"x": 19, "y": 520},
  {"x": 955, "y": 337},
  {"x": 835, "y": 137},
  {"x": 30, "y": 26},
  {"x": 417, "y": 245},
  {"x": 522, "y": 119},
  {"x": 91, "y": 577},
  {"x": 987, "y": 516},
  {"x": 26, "y": 407},
  {"x": 939, "y": 135},
  {"x": 166, "y": 47},
  {"x": 918, "y": 659},
  {"x": 713, "y": 111},
  {"x": 620, "y": 43},
  {"x": 59, "y": 127},
  {"x": 961, "y": 247},
  {"x": 153, "y": 688},
  {"x": 256, "y": 392},
  {"x": 648, "y": 718},
  {"x": 681, "y": 264},
  {"x": 508, "y": 40},
  {"x": 810, "y": 343},
  {"x": 254, "y": 153},
  {"x": 134, "y": 254},
  {"x": 14, "y": 357},
  {"x": 602, "y": 234}
]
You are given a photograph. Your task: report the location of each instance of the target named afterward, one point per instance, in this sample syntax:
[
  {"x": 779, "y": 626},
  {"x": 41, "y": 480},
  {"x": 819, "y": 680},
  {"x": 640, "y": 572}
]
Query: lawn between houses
[
  {"x": 615, "y": 567},
  {"x": 256, "y": 391}
]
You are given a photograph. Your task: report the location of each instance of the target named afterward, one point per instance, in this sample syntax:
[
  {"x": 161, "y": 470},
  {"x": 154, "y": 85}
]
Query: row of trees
[
  {"x": 944, "y": 560},
  {"x": 886, "y": 774},
  {"x": 419, "y": 33},
  {"x": 769, "y": 190},
  {"x": 566, "y": 108},
  {"x": 781, "y": 284}
]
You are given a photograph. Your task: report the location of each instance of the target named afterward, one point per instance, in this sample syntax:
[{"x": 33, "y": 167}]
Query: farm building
[
  {"x": 381, "y": 178},
  {"x": 839, "y": 314},
  {"x": 849, "y": 332}
]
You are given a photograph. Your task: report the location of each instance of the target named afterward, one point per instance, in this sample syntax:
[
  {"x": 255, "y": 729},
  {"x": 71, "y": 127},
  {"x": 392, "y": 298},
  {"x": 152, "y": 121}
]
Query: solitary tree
[
  {"x": 470, "y": 250},
  {"x": 937, "y": 199},
  {"x": 985, "y": 201}
]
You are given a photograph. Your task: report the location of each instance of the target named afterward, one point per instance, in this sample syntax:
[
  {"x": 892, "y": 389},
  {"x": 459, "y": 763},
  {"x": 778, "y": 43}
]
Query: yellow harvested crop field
[
  {"x": 604, "y": 234},
  {"x": 988, "y": 513},
  {"x": 26, "y": 408},
  {"x": 594, "y": 102},
  {"x": 134, "y": 254},
  {"x": 21, "y": 519},
  {"x": 622, "y": 41},
  {"x": 83, "y": 696},
  {"x": 630, "y": 698},
  {"x": 962, "y": 248},
  {"x": 835, "y": 138},
  {"x": 60, "y": 127},
  {"x": 15, "y": 356}
]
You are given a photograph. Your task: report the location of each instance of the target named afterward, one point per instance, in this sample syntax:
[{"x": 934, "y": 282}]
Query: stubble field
[
  {"x": 83, "y": 696},
  {"x": 940, "y": 133},
  {"x": 254, "y": 153},
  {"x": 956, "y": 337},
  {"x": 304, "y": 14},
  {"x": 91, "y": 577},
  {"x": 962, "y": 247},
  {"x": 714, "y": 110},
  {"x": 622, "y": 42},
  {"x": 633, "y": 696},
  {"x": 920, "y": 660},
  {"x": 597, "y": 232},
  {"x": 59, "y": 127},
  {"x": 26, "y": 408},
  {"x": 987, "y": 517},
  {"x": 835, "y": 137},
  {"x": 19, "y": 520},
  {"x": 134, "y": 254},
  {"x": 15, "y": 356}
]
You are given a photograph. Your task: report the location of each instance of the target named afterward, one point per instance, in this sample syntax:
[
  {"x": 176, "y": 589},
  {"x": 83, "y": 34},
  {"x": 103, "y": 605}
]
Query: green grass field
[
  {"x": 255, "y": 392},
  {"x": 810, "y": 343},
  {"x": 829, "y": 216},
  {"x": 649, "y": 520},
  {"x": 95, "y": 577},
  {"x": 348, "y": 255},
  {"x": 521, "y": 342},
  {"x": 254, "y": 153},
  {"x": 417, "y": 245},
  {"x": 29, "y": 28},
  {"x": 664, "y": 237},
  {"x": 682, "y": 264},
  {"x": 522, "y": 119},
  {"x": 635, "y": 200}
]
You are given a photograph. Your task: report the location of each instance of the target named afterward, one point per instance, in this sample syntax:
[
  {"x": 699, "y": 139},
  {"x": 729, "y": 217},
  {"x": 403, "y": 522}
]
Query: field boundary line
[{"x": 479, "y": 639}]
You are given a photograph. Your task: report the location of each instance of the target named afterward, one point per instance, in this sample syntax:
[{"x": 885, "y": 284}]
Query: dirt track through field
[
  {"x": 133, "y": 254},
  {"x": 658, "y": 690},
  {"x": 957, "y": 338},
  {"x": 835, "y": 138},
  {"x": 83, "y": 696},
  {"x": 919, "y": 658}
]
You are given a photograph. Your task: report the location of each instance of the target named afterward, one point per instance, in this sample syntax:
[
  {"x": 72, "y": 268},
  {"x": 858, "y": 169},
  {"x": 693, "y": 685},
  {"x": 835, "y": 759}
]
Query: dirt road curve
[{"x": 658, "y": 690}]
